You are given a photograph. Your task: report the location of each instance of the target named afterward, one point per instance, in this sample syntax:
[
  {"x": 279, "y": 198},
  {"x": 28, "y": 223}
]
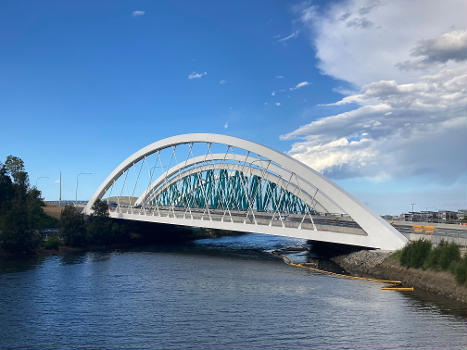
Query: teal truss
[{"x": 232, "y": 190}]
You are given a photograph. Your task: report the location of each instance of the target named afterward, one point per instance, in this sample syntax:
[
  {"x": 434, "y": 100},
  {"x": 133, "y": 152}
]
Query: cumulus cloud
[
  {"x": 408, "y": 100},
  {"x": 222, "y": 82},
  {"x": 398, "y": 130},
  {"x": 196, "y": 75},
  {"x": 350, "y": 49},
  {"x": 137, "y": 13},
  {"x": 277, "y": 104},
  {"x": 279, "y": 77},
  {"x": 299, "y": 85},
  {"x": 226, "y": 125},
  {"x": 450, "y": 46}
]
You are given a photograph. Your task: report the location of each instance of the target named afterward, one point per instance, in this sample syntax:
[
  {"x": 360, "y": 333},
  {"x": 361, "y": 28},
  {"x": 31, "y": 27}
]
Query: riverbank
[
  {"x": 142, "y": 235},
  {"x": 384, "y": 265}
]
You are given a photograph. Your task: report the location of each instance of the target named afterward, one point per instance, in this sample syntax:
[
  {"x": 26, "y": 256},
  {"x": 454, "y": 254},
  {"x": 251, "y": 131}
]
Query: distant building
[
  {"x": 429, "y": 216},
  {"x": 461, "y": 214},
  {"x": 447, "y": 216},
  {"x": 442, "y": 216}
]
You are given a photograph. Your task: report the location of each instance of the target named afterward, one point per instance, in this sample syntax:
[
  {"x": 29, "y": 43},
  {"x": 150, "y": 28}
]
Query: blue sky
[{"x": 85, "y": 84}]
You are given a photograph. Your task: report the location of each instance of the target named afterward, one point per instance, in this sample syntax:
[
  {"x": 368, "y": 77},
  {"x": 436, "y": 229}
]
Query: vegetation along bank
[{"x": 440, "y": 270}]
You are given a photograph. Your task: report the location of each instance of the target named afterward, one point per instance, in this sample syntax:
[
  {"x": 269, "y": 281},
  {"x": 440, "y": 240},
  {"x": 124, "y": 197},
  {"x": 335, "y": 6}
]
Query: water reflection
[
  {"x": 431, "y": 302},
  {"x": 211, "y": 294},
  {"x": 19, "y": 264},
  {"x": 72, "y": 258}
]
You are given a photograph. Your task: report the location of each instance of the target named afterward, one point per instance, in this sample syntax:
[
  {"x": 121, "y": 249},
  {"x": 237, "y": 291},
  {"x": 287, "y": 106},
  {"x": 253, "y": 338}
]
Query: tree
[
  {"x": 20, "y": 208},
  {"x": 101, "y": 230},
  {"x": 15, "y": 168},
  {"x": 17, "y": 235},
  {"x": 72, "y": 227},
  {"x": 100, "y": 209},
  {"x": 6, "y": 192}
]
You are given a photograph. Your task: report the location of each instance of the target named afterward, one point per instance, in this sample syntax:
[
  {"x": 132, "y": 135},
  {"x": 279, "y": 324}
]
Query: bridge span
[{"x": 227, "y": 183}]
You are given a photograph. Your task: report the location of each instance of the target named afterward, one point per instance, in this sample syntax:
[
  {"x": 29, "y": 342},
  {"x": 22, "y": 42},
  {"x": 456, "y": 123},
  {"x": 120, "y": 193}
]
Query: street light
[{"x": 77, "y": 181}]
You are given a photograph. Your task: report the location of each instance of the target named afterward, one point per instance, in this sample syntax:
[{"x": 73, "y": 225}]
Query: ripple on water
[{"x": 186, "y": 297}]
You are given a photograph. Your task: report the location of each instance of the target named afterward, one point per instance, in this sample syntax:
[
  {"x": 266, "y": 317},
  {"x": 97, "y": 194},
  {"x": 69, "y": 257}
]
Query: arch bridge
[{"x": 227, "y": 183}]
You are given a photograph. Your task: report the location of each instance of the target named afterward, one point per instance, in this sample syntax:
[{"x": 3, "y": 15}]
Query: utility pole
[
  {"x": 412, "y": 204},
  {"x": 60, "y": 195}
]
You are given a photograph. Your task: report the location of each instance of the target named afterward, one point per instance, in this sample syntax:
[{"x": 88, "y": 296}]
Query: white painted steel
[
  {"x": 380, "y": 233},
  {"x": 323, "y": 236}
]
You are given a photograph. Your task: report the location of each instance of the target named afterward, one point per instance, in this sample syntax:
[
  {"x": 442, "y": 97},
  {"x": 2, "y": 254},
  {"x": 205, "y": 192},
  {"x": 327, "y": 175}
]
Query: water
[{"x": 216, "y": 294}]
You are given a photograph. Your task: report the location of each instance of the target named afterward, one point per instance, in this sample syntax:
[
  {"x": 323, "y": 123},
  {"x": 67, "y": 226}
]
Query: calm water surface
[{"x": 214, "y": 294}]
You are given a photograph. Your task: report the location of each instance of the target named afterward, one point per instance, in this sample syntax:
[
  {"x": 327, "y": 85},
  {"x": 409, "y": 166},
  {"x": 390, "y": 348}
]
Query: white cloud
[
  {"x": 279, "y": 77},
  {"x": 137, "y": 13},
  {"x": 277, "y": 104},
  {"x": 288, "y": 37},
  {"x": 226, "y": 125},
  {"x": 273, "y": 93},
  {"x": 196, "y": 75},
  {"x": 406, "y": 65},
  {"x": 299, "y": 85},
  {"x": 450, "y": 46},
  {"x": 350, "y": 49},
  {"x": 222, "y": 82},
  {"x": 398, "y": 130}
]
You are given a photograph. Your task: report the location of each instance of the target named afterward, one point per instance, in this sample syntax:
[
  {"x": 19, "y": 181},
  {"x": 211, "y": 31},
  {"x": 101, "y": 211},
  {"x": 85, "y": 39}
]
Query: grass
[
  {"x": 444, "y": 257},
  {"x": 52, "y": 243}
]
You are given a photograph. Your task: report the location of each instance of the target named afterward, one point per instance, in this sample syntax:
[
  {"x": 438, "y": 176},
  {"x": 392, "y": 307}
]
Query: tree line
[{"x": 22, "y": 217}]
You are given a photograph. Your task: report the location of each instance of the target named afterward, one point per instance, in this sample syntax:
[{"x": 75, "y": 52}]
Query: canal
[{"x": 224, "y": 293}]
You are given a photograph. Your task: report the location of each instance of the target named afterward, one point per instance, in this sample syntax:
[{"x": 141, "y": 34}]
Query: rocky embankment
[{"x": 380, "y": 264}]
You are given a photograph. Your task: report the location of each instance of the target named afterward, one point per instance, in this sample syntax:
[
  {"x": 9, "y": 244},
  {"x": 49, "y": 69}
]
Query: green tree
[
  {"x": 101, "y": 230},
  {"x": 15, "y": 168},
  {"x": 21, "y": 211},
  {"x": 17, "y": 235},
  {"x": 72, "y": 227}
]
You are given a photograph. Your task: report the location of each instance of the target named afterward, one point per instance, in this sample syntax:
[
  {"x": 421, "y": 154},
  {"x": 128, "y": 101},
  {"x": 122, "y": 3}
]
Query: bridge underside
[
  {"x": 328, "y": 233},
  {"x": 225, "y": 183}
]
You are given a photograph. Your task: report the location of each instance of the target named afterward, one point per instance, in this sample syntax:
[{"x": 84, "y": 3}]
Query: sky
[{"x": 370, "y": 93}]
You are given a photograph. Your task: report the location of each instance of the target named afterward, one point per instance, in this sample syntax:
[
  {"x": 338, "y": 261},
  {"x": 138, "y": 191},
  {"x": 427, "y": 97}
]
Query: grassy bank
[
  {"x": 384, "y": 265},
  {"x": 444, "y": 257}
]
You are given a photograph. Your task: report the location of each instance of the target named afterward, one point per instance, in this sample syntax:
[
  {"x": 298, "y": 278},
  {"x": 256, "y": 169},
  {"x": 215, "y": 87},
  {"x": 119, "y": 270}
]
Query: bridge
[{"x": 227, "y": 183}]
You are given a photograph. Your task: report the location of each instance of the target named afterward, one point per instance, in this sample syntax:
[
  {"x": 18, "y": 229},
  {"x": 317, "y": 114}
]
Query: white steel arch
[{"x": 379, "y": 233}]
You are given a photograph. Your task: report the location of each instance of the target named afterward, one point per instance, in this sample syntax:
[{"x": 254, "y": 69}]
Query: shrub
[
  {"x": 460, "y": 271},
  {"x": 432, "y": 260},
  {"x": 449, "y": 253},
  {"x": 52, "y": 243},
  {"x": 415, "y": 253},
  {"x": 442, "y": 256}
]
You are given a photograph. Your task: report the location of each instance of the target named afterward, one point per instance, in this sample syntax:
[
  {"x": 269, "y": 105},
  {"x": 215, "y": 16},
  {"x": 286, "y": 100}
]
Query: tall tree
[
  {"x": 21, "y": 211},
  {"x": 72, "y": 227}
]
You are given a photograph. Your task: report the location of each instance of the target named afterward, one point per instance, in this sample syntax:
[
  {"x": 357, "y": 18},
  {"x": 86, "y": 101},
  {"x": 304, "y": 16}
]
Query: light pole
[{"x": 77, "y": 181}]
